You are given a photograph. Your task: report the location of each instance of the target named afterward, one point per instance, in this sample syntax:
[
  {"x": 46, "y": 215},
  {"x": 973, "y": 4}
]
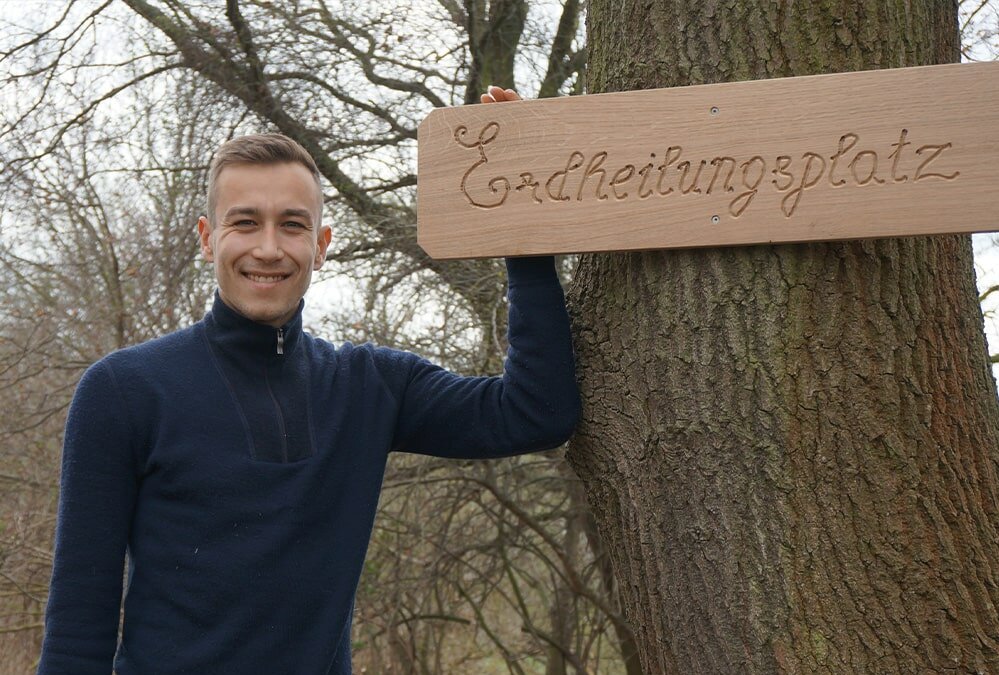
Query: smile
[{"x": 265, "y": 278}]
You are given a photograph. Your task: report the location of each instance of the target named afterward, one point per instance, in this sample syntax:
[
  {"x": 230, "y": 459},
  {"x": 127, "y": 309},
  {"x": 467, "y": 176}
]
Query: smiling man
[
  {"x": 238, "y": 462},
  {"x": 269, "y": 237}
]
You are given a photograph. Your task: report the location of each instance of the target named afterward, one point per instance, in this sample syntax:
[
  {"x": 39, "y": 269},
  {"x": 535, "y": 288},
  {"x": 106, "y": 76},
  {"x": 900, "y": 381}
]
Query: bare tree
[
  {"x": 350, "y": 81},
  {"x": 467, "y": 560},
  {"x": 91, "y": 263}
]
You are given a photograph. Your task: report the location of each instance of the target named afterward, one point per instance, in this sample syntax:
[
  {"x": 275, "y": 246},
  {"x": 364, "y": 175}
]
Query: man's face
[{"x": 267, "y": 238}]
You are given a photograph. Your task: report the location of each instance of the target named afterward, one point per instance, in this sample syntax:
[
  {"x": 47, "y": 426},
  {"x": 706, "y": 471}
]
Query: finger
[
  {"x": 486, "y": 98},
  {"x": 511, "y": 95}
]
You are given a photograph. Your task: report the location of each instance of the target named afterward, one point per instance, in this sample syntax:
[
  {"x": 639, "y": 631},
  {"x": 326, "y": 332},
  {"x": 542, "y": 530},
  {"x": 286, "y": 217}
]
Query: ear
[
  {"x": 205, "y": 236},
  {"x": 325, "y": 236}
]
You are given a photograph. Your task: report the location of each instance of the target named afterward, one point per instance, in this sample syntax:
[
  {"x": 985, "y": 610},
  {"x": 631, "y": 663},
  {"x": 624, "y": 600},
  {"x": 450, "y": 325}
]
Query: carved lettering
[
  {"x": 527, "y": 182},
  {"x": 872, "y": 175},
  {"x": 622, "y": 176},
  {"x": 840, "y": 151},
  {"x": 791, "y": 199},
  {"x": 936, "y": 151},
  {"x": 683, "y": 176},
  {"x": 597, "y": 176},
  {"x": 783, "y": 164},
  {"x": 752, "y": 186},
  {"x": 896, "y": 156},
  {"x": 575, "y": 161},
  {"x": 498, "y": 185},
  {"x": 718, "y": 163},
  {"x": 665, "y": 165},
  {"x": 593, "y": 168},
  {"x": 644, "y": 173}
]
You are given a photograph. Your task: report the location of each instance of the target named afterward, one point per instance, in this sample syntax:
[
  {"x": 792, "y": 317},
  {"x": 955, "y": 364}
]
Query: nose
[{"x": 268, "y": 246}]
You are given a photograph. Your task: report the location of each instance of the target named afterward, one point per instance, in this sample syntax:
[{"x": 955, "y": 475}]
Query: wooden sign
[{"x": 869, "y": 154}]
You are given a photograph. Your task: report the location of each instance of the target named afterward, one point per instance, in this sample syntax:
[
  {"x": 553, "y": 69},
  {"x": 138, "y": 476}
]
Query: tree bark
[
  {"x": 791, "y": 451},
  {"x": 493, "y": 33}
]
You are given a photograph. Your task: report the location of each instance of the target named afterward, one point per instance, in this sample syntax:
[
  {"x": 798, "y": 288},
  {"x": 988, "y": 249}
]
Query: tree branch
[{"x": 561, "y": 65}]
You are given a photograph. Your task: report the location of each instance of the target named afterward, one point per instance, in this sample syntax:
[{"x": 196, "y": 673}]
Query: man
[{"x": 239, "y": 461}]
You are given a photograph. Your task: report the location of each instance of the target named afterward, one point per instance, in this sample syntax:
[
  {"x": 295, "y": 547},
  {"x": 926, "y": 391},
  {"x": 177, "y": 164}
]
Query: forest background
[{"x": 108, "y": 114}]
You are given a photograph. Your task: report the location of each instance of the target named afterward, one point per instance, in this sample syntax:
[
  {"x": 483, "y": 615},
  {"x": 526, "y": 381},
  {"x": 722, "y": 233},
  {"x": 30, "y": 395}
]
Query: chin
[
  {"x": 275, "y": 318},
  {"x": 263, "y": 314}
]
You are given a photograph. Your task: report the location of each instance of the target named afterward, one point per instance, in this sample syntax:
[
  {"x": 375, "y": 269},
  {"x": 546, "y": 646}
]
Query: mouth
[{"x": 265, "y": 277}]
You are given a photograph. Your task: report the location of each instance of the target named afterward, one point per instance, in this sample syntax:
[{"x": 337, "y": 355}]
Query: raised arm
[
  {"x": 96, "y": 498},
  {"x": 533, "y": 406}
]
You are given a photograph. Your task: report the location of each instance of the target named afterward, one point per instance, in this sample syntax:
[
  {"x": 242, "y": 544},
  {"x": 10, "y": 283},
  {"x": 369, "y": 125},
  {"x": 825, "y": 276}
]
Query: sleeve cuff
[{"x": 531, "y": 269}]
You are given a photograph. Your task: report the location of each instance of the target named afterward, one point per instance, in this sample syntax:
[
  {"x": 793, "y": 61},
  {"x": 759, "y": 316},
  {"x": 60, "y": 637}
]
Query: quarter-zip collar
[{"x": 232, "y": 332}]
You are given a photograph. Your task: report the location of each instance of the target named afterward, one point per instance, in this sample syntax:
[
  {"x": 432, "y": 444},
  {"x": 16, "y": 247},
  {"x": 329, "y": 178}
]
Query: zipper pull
[{"x": 280, "y": 341}]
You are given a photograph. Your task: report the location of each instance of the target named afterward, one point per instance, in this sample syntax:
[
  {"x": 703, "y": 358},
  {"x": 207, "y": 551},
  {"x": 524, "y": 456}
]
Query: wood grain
[{"x": 908, "y": 151}]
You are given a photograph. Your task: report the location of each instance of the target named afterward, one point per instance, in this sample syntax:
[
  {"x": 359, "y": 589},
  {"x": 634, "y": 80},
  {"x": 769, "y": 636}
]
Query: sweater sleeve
[
  {"x": 97, "y": 494},
  {"x": 533, "y": 406}
]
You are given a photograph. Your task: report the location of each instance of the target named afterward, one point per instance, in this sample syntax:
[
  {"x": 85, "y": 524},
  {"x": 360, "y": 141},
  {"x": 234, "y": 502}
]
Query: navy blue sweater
[{"x": 240, "y": 466}]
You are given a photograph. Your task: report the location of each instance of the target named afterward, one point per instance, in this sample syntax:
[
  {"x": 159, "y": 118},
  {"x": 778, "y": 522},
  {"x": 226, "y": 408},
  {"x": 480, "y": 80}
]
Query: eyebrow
[{"x": 253, "y": 211}]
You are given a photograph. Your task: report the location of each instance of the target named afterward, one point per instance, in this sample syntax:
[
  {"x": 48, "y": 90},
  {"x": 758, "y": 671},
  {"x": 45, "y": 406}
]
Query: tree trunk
[
  {"x": 625, "y": 637},
  {"x": 791, "y": 451},
  {"x": 493, "y": 34}
]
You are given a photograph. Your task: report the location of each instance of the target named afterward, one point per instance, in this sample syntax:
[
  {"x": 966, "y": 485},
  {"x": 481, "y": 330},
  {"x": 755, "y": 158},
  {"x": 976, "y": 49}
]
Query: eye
[
  {"x": 244, "y": 223},
  {"x": 295, "y": 224}
]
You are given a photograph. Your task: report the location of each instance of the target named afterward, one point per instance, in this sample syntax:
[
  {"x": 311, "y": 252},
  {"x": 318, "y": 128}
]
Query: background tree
[
  {"x": 791, "y": 451},
  {"x": 109, "y": 113},
  {"x": 979, "y": 21},
  {"x": 90, "y": 263},
  {"x": 479, "y": 566}
]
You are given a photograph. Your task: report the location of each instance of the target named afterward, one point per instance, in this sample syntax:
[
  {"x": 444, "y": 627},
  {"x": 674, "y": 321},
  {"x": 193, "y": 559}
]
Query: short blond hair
[{"x": 259, "y": 149}]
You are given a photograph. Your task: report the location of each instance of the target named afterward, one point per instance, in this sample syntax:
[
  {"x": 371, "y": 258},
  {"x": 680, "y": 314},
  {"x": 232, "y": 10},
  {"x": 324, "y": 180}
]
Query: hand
[{"x": 498, "y": 95}]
